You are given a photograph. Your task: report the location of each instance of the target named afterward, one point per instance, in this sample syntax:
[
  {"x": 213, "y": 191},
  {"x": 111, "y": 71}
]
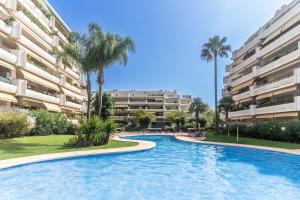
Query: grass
[
  {"x": 250, "y": 141},
  {"x": 28, "y": 146}
]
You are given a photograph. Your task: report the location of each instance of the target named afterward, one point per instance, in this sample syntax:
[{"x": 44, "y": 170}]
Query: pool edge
[
  {"x": 142, "y": 146},
  {"x": 275, "y": 149}
]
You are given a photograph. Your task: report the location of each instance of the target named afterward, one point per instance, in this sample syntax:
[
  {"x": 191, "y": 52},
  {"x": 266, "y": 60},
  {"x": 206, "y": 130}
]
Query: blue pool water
[{"x": 173, "y": 170}]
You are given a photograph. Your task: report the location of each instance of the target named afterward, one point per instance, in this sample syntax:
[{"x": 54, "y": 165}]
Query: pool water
[{"x": 173, "y": 170}]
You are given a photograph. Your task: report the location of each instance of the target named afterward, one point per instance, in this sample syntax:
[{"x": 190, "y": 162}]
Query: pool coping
[
  {"x": 202, "y": 141},
  {"x": 141, "y": 146}
]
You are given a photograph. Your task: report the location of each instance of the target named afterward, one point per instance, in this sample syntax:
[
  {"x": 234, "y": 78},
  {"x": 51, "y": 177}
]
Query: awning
[
  {"x": 270, "y": 94},
  {"x": 39, "y": 80},
  {"x": 52, "y": 107},
  {"x": 7, "y": 65},
  {"x": 8, "y": 97},
  {"x": 72, "y": 94}
]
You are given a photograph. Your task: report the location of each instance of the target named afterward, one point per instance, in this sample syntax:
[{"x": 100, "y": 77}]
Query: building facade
[
  {"x": 31, "y": 74},
  {"x": 159, "y": 103},
  {"x": 264, "y": 77}
]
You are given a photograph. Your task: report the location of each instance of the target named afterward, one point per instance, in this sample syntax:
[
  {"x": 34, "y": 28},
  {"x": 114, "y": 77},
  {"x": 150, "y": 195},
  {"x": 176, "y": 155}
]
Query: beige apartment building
[
  {"x": 264, "y": 77},
  {"x": 157, "y": 102},
  {"x": 31, "y": 75}
]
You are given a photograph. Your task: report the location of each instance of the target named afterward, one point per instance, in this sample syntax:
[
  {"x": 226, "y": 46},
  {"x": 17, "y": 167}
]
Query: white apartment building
[
  {"x": 159, "y": 103},
  {"x": 31, "y": 76},
  {"x": 264, "y": 77}
]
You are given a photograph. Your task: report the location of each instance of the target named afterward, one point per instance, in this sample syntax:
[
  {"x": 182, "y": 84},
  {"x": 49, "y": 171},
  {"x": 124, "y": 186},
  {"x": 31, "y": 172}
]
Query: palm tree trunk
[
  {"x": 100, "y": 82},
  {"x": 216, "y": 94},
  {"x": 88, "y": 79},
  {"x": 197, "y": 122}
]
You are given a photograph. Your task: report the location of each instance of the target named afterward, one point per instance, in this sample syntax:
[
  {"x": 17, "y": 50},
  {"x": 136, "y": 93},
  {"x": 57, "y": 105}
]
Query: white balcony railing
[
  {"x": 281, "y": 21},
  {"x": 35, "y": 11},
  {"x": 275, "y": 85},
  {"x": 39, "y": 51},
  {"x": 281, "y": 42},
  {"x": 279, "y": 62},
  {"x": 243, "y": 79},
  {"x": 252, "y": 59},
  {"x": 288, "y": 107},
  {"x": 42, "y": 97},
  {"x": 73, "y": 105},
  {"x": 240, "y": 113},
  {"x": 8, "y": 88},
  {"x": 73, "y": 88},
  {"x": 240, "y": 96},
  {"x": 33, "y": 27},
  {"x": 42, "y": 73}
]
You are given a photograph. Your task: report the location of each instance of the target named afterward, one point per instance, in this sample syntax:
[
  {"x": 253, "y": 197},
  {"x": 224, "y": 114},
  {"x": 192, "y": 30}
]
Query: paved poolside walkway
[
  {"x": 142, "y": 145},
  {"x": 202, "y": 141}
]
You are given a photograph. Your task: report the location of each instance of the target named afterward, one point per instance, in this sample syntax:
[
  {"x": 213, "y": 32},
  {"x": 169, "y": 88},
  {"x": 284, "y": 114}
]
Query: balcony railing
[
  {"x": 278, "y": 84},
  {"x": 288, "y": 107},
  {"x": 279, "y": 62},
  {"x": 282, "y": 41},
  {"x": 42, "y": 97},
  {"x": 241, "y": 96},
  {"x": 240, "y": 113}
]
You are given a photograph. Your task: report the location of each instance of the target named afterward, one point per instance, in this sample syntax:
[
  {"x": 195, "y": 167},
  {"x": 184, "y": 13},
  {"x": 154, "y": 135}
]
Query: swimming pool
[{"x": 173, "y": 170}]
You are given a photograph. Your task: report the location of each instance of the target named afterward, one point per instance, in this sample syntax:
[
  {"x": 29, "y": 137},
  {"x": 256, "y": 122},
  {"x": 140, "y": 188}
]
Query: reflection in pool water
[{"x": 173, "y": 170}]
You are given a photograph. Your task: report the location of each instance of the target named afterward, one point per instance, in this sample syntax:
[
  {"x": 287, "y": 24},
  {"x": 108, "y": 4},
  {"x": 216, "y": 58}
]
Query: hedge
[{"x": 271, "y": 130}]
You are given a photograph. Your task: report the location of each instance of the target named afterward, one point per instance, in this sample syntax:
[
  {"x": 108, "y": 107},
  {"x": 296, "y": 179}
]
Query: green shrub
[
  {"x": 47, "y": 123},
  {"x": 97, "y": 132},
  {"x": 270, "y": 130},
  {"x": 13, "y": 123}
]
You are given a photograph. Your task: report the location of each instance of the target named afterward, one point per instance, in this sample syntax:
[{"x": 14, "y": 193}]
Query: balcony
[
  {"x": 35, "y": 11},
  {"x": 73, "y": 105},
  {"x": 42, "y": 73},
  {"x": 289, "y": 107},
  {"x": 281, "y": 42},
  {"x": 241, "y": 96},
  {"x": 7, "y": 85},
  {"x": 289, "y": 58},
  {"x": 251, "y": 60},
  {"x": 41, "y": 97},
  {"x": 34, "y": 27},
  {"x": 39, "y": 51},
  {"x": 281, "y": 21},
  {"x": 243, "y": 79},
  {"x": 246, "y": 47},
  {"x": 280, "y": 84},
  {"x": 73, "y": 88},
  {"x": 241, "y": 113},
  {"x": 72, "y": 73},
  {"x": 13, "y": 31},
  {"x": 8, "y": 55},
  {"x": 138, "y": 103}
]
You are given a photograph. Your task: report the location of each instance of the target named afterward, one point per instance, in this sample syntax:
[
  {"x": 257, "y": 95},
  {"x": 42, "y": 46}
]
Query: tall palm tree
[
  {"x": 198, "y": 107},
  {"x": 226, "y": 104},
  {"x": 214, "y": 48},
  {"x": 79, "y": 49},
  {"x": 110, "y": 49}
]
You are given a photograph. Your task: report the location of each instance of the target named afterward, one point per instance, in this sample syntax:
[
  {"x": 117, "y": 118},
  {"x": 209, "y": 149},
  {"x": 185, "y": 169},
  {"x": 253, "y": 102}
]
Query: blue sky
[{"x": 168, "y": 36}]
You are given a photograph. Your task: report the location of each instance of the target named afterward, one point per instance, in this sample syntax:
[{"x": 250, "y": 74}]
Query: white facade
[
  {"x": 157, "y": 102},
  {"x": 31, "y": 75},
  {"x": 264, "y": 77}
]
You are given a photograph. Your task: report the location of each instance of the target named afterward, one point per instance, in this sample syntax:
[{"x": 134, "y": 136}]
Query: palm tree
[
  {"x": 108, "y": 50},
  {"x": 226, "y": 104},
  {"x": 198, "y": 107},
  {"x": 214, "y": 48},
  {"x": 79, "y": 49}
]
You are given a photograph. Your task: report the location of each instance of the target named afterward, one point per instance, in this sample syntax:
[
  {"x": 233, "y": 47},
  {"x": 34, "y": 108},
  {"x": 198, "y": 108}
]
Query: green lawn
[
  {"x": 251, "y": 141},
  {"x": 28, "y": 146}
]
